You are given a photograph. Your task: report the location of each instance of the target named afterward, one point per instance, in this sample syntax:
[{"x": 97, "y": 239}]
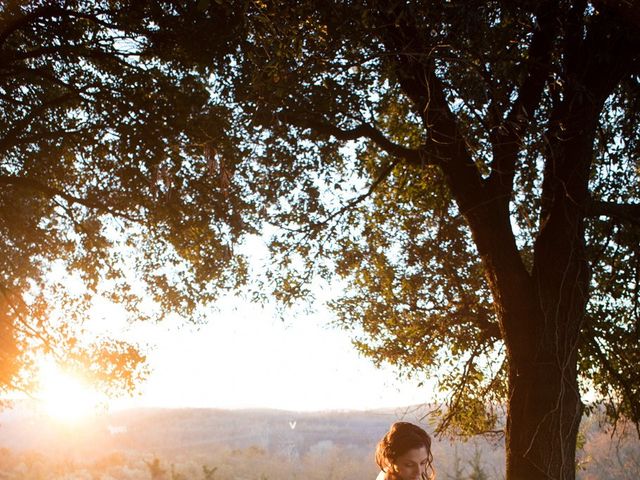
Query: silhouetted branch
[
  {"x": 363, "y": 130},
  {"x": 626, "y": 212},
  {"x": 51, "y": 192},
  {"x": 627, "y": 11},
  {"x": 47, "y": 11},
  {"x": 506, "y": 136}
]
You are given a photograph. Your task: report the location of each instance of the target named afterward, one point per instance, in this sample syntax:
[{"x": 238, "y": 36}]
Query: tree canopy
[
  {"x": 469, "y": 169},
  {"x": 103, "y": 124}
]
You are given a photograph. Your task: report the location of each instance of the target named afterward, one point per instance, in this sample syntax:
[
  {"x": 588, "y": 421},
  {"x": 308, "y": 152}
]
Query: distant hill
[
  {"x": 178, "y": 430},
  {"x": 271, "y": 440}
]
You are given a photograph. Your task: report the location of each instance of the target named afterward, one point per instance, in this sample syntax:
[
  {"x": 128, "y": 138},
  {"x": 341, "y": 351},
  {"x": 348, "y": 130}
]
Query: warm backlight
[{"x": 66, "y": 397}]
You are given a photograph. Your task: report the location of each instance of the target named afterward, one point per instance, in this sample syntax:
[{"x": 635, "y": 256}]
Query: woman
[{"x": 404, "y": 453}]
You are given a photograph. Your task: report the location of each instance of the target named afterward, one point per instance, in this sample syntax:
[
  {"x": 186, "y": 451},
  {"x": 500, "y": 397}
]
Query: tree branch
[
  {"x": 314, "y": 227},
  {"x": 363, "y": 130},
  {"x": 627, "y": 212},
  {"x": 52, "y": 192},
  {"x": 624, "y": 384},
  {"x": 381, "y": 177},
  {"x": 625, "y": 10},
  {"x": 506, "y": 138},
  {"x": 48, "y": 11},
  {"x": 11, "y": 137},
  {"x": 21, "y": 22},
  {"x": 413, "y": 62},
  {"x": 79, "y": 51}
]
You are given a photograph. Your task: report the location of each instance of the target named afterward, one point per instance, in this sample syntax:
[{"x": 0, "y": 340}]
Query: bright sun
[{"x": 65, "y": 397}]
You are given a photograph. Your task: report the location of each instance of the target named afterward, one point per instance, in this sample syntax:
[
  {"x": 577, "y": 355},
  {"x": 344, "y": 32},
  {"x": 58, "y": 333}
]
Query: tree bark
[
  {"x": 544, "y": 413},
  {"x": 541, "y": 315},
  {"x": 544, "y": 406}
]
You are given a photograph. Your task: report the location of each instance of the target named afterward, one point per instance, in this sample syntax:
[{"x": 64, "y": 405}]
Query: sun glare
[{"x": 65, "y": 397}]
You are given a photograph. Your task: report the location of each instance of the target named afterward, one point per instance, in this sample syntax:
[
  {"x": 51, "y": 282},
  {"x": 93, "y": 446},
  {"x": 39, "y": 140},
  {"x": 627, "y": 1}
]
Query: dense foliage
[
  {"x": 469, "y": 169},
  {"x": 349, "y": 167},
  {"x": 105, "y": 183}
]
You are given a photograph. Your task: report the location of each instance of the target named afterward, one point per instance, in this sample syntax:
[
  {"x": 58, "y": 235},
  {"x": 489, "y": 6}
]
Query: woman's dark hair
[{"x": 402, "y": 437}]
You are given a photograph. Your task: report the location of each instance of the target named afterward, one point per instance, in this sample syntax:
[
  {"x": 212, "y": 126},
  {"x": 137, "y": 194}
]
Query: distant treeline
[{"x": 194, "y": 444}]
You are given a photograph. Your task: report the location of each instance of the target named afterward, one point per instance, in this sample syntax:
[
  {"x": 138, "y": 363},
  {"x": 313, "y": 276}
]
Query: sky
[{"x": 245, "y": 357}]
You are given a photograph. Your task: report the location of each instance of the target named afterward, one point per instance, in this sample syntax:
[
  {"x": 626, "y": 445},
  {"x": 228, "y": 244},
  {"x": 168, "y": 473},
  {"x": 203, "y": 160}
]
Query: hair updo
[{"x": 402, "y": 437}]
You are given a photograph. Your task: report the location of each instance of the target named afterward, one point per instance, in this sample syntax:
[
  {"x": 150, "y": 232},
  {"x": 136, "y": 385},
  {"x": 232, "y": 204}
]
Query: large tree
[
  {"x": 102, "y": 123},
  {"x": 470, "y": 169}
]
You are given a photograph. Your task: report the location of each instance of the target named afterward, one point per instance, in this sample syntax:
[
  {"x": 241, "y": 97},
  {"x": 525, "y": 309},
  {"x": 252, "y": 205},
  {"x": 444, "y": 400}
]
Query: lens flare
[{"x": 64, "y": 396}]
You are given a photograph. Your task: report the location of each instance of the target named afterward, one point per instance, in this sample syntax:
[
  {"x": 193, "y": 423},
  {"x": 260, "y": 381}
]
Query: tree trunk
[
  {"x": 541, "y": 311},
  {"x": 541, "y": 324},
  {"x": 544, "y": 412},
  {"x": 544, "y": 406}
]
